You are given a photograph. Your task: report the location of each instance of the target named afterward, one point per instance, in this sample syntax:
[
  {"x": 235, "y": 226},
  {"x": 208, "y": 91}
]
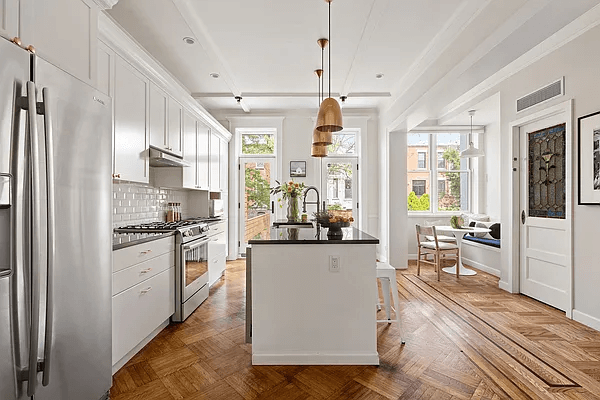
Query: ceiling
[{"x": 266, "y": 51}]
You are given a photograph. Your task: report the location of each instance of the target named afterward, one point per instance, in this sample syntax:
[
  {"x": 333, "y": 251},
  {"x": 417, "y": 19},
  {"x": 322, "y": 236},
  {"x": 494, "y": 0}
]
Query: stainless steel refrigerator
[{"x": 55, "y": 232}]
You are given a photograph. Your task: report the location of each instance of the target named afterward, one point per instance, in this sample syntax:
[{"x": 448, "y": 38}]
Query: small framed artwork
[
  {"x": 589, "y": 159},
  {"x": 298, "y": 169}
]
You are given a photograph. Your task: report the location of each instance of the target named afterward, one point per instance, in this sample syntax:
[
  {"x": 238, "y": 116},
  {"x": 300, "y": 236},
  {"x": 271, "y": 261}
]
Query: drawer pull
[
  {"x": 215, "y": 260},
  {"x": 146, "y": 252},
  {"x": 145, "y": 271},
  {"x": 144, "y": 291},
  {"x": 215, "y": 240}
]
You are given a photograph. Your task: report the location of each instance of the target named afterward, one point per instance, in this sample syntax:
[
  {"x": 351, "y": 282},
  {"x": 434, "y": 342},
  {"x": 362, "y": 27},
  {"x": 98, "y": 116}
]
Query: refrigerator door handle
[
  {"x": 36, "y": 245},
  {"x": 51, "y": 237}
]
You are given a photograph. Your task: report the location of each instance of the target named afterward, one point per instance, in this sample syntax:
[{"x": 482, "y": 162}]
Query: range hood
[{"x": 159, "y": 158}]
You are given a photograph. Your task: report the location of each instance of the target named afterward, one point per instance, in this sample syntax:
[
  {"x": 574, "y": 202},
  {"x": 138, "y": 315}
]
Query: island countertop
[{"x": 284, "y": 235}]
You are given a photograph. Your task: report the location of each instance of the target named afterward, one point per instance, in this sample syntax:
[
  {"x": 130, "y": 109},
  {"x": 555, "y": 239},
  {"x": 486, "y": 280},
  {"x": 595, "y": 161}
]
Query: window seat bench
[{"x": 482, "y": 253}]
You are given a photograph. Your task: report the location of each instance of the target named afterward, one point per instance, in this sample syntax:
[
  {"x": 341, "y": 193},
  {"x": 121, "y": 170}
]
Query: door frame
[
  {"x": 356, "y": 188},
  {"x": 511, "y": 253}
]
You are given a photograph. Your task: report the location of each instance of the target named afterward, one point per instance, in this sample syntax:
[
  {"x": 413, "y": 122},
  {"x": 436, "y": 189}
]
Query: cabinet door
[
  {"x": 9, "y": 18},
  {"x": 105, "y": 71},
  {"x": 203, "y": 155},
  {"x": 158, "y": 117},
  {"x": 131, "y": 123},
  {"x": 190, "y": 152},
  {"x": 224, "y": 165},
  {"x": 65, "y": 33},
  {"x": 215, "y": 153},
  {"x": 175, "y": 127}
]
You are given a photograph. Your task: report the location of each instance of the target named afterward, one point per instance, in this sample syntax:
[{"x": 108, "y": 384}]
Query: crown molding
[
  {"x": 105, "y": 4},
  {"x": 115, "y": 37}
]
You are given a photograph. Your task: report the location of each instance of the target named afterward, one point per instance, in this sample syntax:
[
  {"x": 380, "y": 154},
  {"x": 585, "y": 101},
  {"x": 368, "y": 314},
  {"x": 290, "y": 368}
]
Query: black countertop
[
  {"x": 284, "y": 235},
  {"x": 123, "y": 240}
]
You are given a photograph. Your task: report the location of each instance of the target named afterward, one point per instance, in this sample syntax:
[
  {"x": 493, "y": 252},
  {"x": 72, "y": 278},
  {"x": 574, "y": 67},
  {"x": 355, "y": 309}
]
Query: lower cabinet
[
  {"x": 143, "y": 295},
  {"x": 217, "y": 249}
]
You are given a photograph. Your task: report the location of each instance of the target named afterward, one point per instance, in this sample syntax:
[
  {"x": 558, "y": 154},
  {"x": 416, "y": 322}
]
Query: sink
[{"x": 285, "y": 224}]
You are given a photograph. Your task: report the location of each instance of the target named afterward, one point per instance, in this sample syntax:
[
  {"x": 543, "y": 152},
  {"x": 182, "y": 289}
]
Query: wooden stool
[{"x": 387, "y": 276}]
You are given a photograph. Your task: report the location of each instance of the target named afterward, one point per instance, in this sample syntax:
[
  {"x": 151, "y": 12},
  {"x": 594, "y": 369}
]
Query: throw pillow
[
  {"x": 480, "y": 225},
  {"x": 495, "y": 230}
]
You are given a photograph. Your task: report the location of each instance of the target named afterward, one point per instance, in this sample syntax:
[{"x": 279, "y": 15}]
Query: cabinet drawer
[
  {"x": 217, "y": 245},
  {"x": 141, "y": 309},
  {"x": 216, "y": 266},
  {"x": 129, "y": 256},
  {"x": 137, "y": 273},
  {"x": 215, "y": 229}
]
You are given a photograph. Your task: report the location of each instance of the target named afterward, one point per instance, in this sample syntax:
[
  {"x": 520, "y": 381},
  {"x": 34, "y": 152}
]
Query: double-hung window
[{"x": 438, "y": 179}]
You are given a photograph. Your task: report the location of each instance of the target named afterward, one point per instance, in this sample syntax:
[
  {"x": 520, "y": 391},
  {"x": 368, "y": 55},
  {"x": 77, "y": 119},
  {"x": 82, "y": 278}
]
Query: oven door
[{"x": 194, "y": 256}]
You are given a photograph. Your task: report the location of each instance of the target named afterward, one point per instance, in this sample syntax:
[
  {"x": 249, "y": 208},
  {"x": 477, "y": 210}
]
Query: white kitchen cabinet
[
  {"x": 190, "y": 151},
  {"x": 175, "y": 142},
  {"x": 224, "y": 165},
  {"x": 105, "y": 70},
  {"x": 131, "y": 122},
  {"x": 217, "y": 248},
  {"x": 63, "y": 32},
  {"x": 203, "y": 156},
  {"x": 214, "y": 167},
  {"x": 143, "y": 295},
  {"x": 159, "y": 103},
  {"x": 9, "y": 18}
]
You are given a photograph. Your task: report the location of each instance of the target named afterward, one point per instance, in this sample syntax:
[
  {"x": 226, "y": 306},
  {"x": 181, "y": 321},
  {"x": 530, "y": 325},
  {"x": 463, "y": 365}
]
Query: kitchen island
[{"x": 311, "y": 300}]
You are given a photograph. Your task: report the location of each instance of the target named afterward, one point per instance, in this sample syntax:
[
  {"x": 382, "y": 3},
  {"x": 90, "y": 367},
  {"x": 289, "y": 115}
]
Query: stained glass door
[{"x": 545, "y": 233}]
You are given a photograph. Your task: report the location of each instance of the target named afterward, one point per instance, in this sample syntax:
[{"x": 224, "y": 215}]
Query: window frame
[
  {"x": 424, "y": 161},
  {"x": 412, "y": 185},
  {"x": 257, "y": 131},
  {"x": 433, "y": 170}
]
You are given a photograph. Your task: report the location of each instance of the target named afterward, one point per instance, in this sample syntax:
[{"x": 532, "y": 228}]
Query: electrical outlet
[{"x": 334, "y": 263}]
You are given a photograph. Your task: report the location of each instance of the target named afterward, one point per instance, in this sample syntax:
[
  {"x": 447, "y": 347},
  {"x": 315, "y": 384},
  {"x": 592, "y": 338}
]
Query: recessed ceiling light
[
  {"x": 379, "y": 76},
  {"x": 189, "y": 40},
  {"x": 214, "y": 75}
]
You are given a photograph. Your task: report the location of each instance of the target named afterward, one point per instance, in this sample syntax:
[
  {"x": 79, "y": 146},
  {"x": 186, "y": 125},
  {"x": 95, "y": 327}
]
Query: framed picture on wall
[
  {"x": 588, "y": 166},
  {"x": 298, "y": 169}
]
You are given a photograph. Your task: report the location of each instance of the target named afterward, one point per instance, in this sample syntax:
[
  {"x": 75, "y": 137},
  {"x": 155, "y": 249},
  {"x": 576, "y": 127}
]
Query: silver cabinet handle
[
  {"x": 214, "y": 240},
  {"x": 145, "y": 271},
  {"x": 144, "y": 291},
  {"x": 145, "y": 252},
  {"x": 51, "y": 242}
]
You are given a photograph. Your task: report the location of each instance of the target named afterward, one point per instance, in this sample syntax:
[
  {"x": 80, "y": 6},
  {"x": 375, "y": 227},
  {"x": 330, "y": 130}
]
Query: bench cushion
[{"x": 486, "y": 241}]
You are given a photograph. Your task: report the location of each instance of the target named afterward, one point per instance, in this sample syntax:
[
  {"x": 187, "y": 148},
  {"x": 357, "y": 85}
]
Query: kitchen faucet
[{"x": 304, "y": 202}]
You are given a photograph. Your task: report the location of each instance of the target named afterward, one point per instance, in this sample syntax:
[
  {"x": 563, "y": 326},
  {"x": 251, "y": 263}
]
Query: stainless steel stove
[{"x": 191, "y": 266}]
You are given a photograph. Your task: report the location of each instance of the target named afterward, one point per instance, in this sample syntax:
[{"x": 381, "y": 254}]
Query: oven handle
[{"x": 195, "y": 244}]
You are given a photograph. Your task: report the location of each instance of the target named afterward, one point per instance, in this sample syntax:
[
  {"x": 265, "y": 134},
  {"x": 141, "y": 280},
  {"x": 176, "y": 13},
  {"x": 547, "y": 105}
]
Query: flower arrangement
[{"x": 288, "y": 189}]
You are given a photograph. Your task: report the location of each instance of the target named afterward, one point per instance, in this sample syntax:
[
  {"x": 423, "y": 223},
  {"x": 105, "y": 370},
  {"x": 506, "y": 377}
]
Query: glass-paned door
[
  {"x": 340, "y": 187},
  {"x": 257, "y": 206}
]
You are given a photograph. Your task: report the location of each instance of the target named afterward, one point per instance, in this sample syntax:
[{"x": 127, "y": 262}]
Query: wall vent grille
[{"x": 546, "y": 93}]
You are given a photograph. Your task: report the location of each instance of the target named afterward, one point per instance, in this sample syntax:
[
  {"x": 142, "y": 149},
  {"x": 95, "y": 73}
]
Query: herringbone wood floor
[{"x": 466, "y": 339}]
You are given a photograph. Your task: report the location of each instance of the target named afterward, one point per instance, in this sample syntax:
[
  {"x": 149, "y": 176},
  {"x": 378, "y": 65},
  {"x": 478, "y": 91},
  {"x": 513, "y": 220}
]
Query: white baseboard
[
  {"x": 315, "y": 359},
  {"x": 412, "y": 257},
  {"x": 504, "y": 286},
  {"x": 119, "y": 364},
  {"x": 481, "y": 267},
  {"x": 587, "y": 319}
]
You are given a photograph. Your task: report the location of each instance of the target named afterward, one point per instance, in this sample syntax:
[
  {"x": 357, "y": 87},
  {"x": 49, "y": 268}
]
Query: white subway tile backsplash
[{"x": 137, "y": 204}]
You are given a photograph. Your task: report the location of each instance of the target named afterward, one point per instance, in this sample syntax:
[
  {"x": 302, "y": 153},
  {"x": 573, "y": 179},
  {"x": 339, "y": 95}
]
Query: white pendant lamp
[{"x": 471, "y": 151}]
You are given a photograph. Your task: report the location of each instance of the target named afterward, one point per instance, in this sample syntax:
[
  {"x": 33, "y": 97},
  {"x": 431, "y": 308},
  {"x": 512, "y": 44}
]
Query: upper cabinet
[
  {"x": 9, "y": 18},
  {"x": 159, "y": 105},
  {"x": 131, "y": 121},
  {"x": 63, "y": 32},
  {"x": 190, "y": 151},
  {"x": 214, "y": 168},
  {"x": 224, "y": 165},
  {"x": 175, "y": 142},
  {"x": 203, "y": 156}
]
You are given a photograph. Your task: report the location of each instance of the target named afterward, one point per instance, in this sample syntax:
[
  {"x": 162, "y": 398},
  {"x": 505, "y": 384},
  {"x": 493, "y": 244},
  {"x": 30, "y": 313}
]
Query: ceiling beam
[
  {"x": 199, "y": 95},
  {"x": 378, "y": 9}
]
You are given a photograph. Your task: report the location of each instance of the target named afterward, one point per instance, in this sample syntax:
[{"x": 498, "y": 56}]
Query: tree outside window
[{"x": 259, "y": 143}]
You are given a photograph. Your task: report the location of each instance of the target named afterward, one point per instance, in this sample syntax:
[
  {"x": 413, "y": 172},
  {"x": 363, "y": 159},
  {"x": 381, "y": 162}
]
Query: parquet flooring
[{"x": 466, "y": 339}]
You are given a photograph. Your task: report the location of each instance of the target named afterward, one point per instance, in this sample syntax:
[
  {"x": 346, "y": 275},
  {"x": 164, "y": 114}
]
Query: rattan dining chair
[{"x": 440, "y": 250}]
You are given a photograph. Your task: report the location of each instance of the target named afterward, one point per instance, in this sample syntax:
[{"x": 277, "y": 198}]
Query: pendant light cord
[
  {"x": 321, "y": 78},
  {"x": 330, "y": 48}
]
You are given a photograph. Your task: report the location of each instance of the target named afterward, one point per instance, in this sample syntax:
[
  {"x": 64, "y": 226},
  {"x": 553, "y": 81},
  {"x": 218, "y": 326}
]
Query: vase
[{"x": 293, "y": 211}]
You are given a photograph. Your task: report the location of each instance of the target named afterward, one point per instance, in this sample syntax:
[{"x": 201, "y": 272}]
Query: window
[
  {"x": 440, "y": 160},
  {"x": 418, "y": 186},
  {"x": 451, "y": 173},
  {"x": 258, "y": 142},
  {"x": 343, "y": 142},
  {"x": 422, "y": 160}
]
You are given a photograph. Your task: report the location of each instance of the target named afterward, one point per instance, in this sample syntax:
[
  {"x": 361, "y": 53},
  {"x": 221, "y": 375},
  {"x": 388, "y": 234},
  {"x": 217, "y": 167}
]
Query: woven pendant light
[{"x": 329, "y": 118}]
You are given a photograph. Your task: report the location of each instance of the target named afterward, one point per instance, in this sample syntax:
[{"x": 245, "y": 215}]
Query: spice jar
[{"x": 170, "y": 212}]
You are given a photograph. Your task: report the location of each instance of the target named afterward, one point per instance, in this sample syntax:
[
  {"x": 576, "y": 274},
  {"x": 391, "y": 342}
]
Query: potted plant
[{"x": 291, "y": 192}]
